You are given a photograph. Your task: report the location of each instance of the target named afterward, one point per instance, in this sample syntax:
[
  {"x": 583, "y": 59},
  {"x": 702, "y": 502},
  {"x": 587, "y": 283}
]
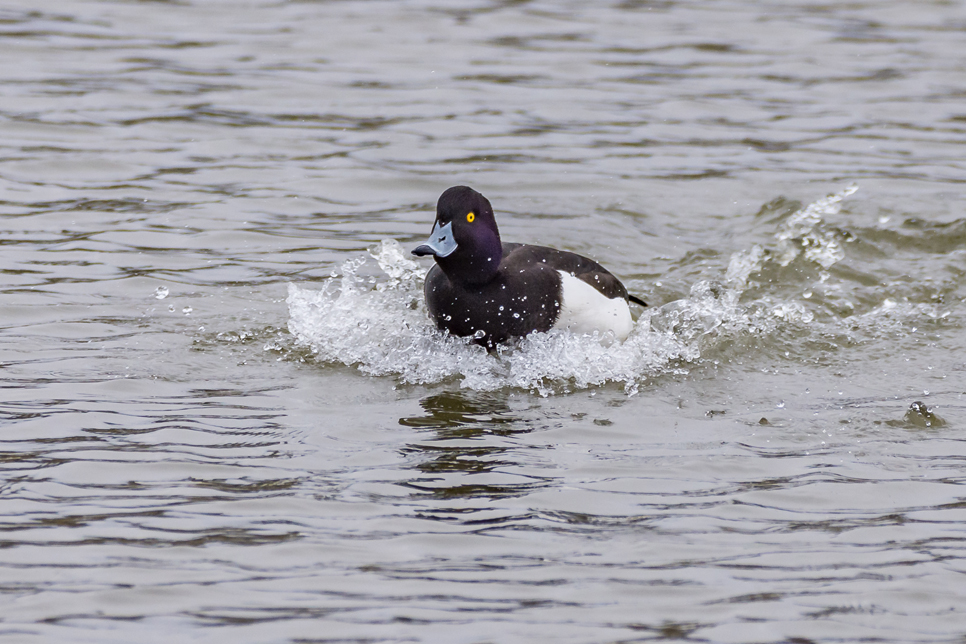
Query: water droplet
[
  {"x": 187, "y": 310},
  {"x": 516, "y": 315},
  {"x": 161, "y": 292},
  {"x": 480, "y": 333}
]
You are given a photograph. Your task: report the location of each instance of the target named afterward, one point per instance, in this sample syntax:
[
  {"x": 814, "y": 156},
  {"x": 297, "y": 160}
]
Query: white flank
[{"x": 584, "y": 309}]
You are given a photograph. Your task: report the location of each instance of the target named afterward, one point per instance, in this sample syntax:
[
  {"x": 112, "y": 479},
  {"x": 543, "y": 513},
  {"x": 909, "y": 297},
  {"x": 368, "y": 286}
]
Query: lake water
[{"x": 225, "y": 414}]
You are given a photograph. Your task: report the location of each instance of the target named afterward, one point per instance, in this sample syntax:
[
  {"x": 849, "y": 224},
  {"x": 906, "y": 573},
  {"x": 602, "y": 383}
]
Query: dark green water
[{"x": 225, "y": 417}]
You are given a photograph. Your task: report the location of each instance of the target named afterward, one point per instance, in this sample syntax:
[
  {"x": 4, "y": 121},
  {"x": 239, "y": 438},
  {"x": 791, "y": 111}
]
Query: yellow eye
[{"x": 470, "y": 217}]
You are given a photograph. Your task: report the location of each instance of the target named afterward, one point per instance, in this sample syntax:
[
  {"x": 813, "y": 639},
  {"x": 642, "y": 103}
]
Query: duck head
[{"x": 465, "y": 240}]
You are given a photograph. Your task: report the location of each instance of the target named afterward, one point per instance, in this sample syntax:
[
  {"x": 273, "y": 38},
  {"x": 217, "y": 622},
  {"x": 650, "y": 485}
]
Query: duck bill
[{"x": 440, "y": 243}]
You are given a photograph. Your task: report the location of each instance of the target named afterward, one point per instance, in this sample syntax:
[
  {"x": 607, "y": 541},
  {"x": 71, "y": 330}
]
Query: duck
[{"x": 494, "y": 291}]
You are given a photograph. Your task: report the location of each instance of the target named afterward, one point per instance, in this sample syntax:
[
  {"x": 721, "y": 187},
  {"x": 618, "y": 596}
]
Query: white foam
[{"x": 384, "y": 330}]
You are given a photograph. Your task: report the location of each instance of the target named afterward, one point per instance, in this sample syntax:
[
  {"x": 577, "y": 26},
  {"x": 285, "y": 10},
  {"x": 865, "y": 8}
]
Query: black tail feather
[{"x": 636, "y": 300}]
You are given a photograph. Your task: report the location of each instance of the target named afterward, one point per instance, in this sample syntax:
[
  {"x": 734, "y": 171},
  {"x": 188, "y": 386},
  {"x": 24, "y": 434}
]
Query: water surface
[{"x": 225, "y": 416}]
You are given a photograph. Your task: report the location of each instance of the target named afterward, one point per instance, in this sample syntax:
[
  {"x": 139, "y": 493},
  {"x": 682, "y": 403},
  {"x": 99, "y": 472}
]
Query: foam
[{"x": 384, "y": 330}]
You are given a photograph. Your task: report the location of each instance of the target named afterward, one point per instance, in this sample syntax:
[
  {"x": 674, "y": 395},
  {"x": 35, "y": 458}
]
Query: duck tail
[{"x": 636, "y": 300}]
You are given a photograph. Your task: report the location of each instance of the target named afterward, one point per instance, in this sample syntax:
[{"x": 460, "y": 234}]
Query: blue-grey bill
[{"x": 440, "y": 243}]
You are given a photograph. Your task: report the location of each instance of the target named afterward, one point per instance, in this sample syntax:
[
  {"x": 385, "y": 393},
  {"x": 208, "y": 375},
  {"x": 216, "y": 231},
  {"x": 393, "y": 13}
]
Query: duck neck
[{"x": 475, "y": 266}]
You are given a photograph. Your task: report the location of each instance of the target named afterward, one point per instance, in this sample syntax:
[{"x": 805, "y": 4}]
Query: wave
[{"x": 380, "y": 325}]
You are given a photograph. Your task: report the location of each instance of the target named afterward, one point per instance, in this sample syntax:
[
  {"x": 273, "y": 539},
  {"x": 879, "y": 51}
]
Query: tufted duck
[{"x": 492, "y": 291}]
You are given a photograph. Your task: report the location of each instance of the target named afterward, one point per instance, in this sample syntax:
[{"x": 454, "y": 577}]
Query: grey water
[{"x": 225, "y": 415}]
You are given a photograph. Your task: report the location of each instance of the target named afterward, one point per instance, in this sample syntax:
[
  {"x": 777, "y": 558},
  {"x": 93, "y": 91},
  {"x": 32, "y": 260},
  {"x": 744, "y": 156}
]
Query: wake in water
[{"x": 384, "y": 330}]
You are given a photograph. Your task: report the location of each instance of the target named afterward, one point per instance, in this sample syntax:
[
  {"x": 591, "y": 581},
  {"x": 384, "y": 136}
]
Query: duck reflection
[{"x": 473, "y": 447}]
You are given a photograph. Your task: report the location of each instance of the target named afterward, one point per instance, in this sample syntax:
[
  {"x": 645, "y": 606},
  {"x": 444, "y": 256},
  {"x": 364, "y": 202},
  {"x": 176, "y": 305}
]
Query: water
[{"x": 226, "y": 418}]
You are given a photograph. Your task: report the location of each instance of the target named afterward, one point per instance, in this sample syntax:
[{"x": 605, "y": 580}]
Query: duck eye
[{"x": 470, "y": 217}]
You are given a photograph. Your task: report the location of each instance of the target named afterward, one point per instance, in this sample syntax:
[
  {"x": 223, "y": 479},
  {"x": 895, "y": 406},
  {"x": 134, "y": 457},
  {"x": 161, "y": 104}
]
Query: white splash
[
  {"x": 384, "y": 330},
  {"x": 802, "y": 234},
  {"x": 381, "y": 326}
]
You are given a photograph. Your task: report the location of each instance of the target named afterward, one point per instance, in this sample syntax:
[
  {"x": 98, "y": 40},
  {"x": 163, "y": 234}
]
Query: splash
[
  {"x": 383, "y": 329},
  {"x": 381, "y": 326},
  {"x": 801, "y": 234}
]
